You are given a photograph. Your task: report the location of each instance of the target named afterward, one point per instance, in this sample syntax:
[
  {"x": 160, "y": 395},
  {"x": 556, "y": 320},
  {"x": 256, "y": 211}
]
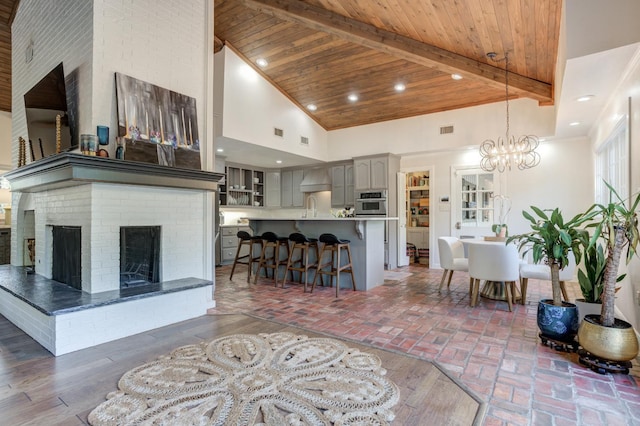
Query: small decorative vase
[
  {"x": 617, "y": 343},
  {"x": 558, "y": 322}
]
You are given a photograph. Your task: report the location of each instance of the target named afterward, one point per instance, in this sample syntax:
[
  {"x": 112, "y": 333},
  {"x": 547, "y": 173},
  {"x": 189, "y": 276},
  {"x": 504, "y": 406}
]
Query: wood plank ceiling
[
  {"x": 320, "y": 51},
  {"x": 7, "y": 12}
]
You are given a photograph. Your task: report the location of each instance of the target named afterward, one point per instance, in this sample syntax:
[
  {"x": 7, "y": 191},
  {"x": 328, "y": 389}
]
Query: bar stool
[
  {"x": 302, "y": 265},
  {"x": 246, "y": 239},
  {"x": 334, "y": 245},
  {"x": 272, "y": 260}
]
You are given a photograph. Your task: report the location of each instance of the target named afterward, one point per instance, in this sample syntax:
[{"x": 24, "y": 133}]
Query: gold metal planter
[{"x": 618, "y": 343}]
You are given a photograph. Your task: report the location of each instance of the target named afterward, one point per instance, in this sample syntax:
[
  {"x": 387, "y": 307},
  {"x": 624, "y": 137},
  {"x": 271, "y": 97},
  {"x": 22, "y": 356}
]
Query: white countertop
[{"x": 327, "y": 219}]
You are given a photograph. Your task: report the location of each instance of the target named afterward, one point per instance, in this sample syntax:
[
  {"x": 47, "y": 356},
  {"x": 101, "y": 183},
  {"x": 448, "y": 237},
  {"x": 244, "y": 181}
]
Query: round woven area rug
[{"x": 247, "y": 379}]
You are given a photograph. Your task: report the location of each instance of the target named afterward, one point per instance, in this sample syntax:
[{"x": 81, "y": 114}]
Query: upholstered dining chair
[
  {"x": 538, "y": 271},
  {"x": 452, "y": 258},
  {"x": 493, "y": 262}
]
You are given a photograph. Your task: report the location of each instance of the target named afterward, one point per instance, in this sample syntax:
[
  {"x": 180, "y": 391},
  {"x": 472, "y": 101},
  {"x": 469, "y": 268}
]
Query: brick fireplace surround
[{"x": 100, "y": 196}]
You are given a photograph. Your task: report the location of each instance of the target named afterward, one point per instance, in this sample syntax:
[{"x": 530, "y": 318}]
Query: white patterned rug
[{"x": 247, "y": 379}]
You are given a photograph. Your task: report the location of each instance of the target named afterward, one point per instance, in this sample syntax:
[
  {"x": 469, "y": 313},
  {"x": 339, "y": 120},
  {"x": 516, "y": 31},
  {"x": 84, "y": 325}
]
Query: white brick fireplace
[{"x": 100, "y": 196}]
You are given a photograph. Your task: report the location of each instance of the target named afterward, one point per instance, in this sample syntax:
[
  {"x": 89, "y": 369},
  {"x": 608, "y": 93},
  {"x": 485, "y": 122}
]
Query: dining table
[{"x": 494, "y": 290}]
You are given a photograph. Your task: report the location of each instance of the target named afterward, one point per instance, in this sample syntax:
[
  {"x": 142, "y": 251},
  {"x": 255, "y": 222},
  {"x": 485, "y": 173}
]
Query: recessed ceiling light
[
  {"x": 278, "y": 161},
  {"x": 312, "y": 107},
  {"x": 399, "y": 87},
  {"x": 585, "y": 98},
  {"x": 575, "y": 123},
  {"x": 352, "y": 97},
  {"x": 456, "y": 76},
  {"x": 220, "y": 150},
  {"x": 262, "y": 62}
]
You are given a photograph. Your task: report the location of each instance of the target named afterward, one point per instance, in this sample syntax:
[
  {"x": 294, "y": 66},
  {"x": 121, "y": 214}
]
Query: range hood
[{"x": 315, "y": 180}]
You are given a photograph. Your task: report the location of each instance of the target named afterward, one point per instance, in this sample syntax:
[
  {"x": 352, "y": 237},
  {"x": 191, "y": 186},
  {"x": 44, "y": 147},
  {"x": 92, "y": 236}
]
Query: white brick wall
[
  {"x": 61, "y": 31},
  {"x": 163, "y": 42},
  {"x": 101, "y": 209},
  {"x": 61, "y": 334}
]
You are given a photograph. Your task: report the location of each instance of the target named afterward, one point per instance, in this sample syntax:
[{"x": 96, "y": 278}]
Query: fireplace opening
[
  {"x": 139, "y": 255},
  {"x": 67, "y": 249}
]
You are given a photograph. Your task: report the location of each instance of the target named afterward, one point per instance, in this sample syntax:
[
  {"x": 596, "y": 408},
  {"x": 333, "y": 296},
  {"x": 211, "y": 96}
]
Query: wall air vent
[
  {"x": 278, "y": 132},
  {"x": 304, "y": 140},
  {"x": 445, "y": 130}
]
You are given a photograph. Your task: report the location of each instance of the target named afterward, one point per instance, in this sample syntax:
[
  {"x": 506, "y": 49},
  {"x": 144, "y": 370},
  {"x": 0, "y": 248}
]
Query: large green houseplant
[
  {"x": 552, "y": 240},
  {"x": 617, "y": 225}
]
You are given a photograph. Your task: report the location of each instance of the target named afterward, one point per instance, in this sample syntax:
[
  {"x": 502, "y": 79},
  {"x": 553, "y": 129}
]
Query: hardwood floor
[{"x": 37, "y": 388}]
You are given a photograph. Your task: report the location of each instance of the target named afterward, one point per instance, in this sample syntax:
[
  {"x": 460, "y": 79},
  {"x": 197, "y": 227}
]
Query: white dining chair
[
  {"x": 452, "y": 258},
  {"x": 538, "y": 271},
  {"x": 493, "y": 262}
]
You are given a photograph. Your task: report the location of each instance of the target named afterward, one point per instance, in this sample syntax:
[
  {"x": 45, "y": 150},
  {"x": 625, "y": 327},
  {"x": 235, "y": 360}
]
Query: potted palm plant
[
  {"x": 552, "y": 240},
  {"x": 603, "y": 335},
  {"x": 591, "y": 280}
]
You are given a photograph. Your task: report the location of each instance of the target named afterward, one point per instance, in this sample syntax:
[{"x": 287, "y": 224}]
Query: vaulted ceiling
[{"x": 320, "y": 51}]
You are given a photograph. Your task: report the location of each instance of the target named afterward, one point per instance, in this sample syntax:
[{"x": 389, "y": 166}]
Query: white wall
[
  {"x": 421, "y": 134},
  {"x": 564, "y": 179},
  {"x": 253, "y": 107},
  {"x": 617, "y": 108}
]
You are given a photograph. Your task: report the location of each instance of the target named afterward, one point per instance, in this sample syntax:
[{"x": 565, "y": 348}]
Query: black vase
[{"x": 558, "y": 322}]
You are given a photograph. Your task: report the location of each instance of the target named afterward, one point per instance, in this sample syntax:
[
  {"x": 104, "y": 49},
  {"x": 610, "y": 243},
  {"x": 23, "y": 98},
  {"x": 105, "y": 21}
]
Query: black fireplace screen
[
  {"x": 66, "y": 266},
  {"x": 139, "y": 255}
]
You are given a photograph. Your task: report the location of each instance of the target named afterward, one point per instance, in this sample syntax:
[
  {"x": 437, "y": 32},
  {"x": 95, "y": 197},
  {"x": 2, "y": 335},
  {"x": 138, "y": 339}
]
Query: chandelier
[{"x": 503, "y": 154}]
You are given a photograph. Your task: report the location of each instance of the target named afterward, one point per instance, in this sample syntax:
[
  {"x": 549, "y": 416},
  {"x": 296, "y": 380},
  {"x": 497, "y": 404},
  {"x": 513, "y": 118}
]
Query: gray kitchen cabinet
[
  {"x": 272, "y": 189},
  {"x": 342, "y": 186},
  {"x": 290, "y": 193},
  {"x": 337, "y": 186},
  {"x": 230, "y": 242},
  {"x": 371, "y": 173},
  {"x": 298, "y": 196},
  {"x": 349, "y": 189},
  {"x": 286, "y": 191}
]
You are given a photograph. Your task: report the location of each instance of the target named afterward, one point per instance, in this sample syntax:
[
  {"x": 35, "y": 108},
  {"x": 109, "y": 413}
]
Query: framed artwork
[{"x": 151, "y": 114}]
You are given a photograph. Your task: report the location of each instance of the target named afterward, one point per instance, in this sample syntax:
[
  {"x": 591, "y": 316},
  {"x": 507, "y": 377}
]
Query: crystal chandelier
[{"x": 502, "y": 154}]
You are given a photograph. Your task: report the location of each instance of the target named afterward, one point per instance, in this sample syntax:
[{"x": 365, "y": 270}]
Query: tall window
[{"x": 612, "y": 164}]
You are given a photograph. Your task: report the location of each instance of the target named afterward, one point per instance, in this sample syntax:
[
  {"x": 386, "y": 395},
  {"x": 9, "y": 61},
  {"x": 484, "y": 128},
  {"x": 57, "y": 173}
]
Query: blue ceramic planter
[{"x": 558, "y": 322}]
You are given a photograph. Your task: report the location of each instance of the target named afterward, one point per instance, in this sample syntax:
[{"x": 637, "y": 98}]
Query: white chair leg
[{"x": 444, "y": 277}]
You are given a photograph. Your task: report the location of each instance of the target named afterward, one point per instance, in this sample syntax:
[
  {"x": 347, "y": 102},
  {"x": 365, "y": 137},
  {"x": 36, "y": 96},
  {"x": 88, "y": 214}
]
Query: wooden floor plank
[{"x": 41, "y": 389}]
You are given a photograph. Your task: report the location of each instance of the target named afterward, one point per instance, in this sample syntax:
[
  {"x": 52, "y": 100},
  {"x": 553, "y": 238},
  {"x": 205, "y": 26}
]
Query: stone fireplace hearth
[{"x": 97, "y": 200}]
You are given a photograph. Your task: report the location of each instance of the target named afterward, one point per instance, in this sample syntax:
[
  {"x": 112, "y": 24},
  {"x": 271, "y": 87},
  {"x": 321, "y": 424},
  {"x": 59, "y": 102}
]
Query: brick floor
[{"x": 497, "y": 354}]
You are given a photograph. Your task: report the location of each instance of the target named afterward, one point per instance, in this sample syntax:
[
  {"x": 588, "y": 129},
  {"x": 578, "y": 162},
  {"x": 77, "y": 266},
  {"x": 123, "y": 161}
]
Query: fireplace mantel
[{"x": 70, "y": 169}]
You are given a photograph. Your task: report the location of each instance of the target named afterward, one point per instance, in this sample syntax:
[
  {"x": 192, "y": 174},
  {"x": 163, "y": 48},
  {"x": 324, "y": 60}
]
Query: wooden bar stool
[
  {"x": 271, "y": 259},
  {"x": 334, "y": 246},
  {"x": 249, "y": 259},
  {"x": 302, "y": 264}
]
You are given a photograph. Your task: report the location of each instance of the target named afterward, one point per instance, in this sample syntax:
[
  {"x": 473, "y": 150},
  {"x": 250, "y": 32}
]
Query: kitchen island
[{"x": 366, "y": 234}]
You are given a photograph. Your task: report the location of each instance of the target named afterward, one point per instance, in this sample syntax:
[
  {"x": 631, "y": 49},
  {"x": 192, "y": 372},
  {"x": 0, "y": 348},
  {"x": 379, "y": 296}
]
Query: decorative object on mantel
[
  {"x": 103, "y": 135},
  {"x": 502, "y": 154},
  {"x": 88, "y": 144},
  {"x": 278, "y": 378},
  {"x": 21, "y": 152},
  {"x": 58, "y": 139}
]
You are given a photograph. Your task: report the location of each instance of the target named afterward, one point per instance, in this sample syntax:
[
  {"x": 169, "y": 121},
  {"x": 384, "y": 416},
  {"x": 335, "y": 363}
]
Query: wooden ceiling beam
[{"x": 400, "y": 46}]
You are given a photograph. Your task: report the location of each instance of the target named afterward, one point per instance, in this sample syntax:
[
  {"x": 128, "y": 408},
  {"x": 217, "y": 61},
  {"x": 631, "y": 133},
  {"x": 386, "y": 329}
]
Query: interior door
[
  {"x": 472, "y": 203},
  {"x": 403, "y": 259}
]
